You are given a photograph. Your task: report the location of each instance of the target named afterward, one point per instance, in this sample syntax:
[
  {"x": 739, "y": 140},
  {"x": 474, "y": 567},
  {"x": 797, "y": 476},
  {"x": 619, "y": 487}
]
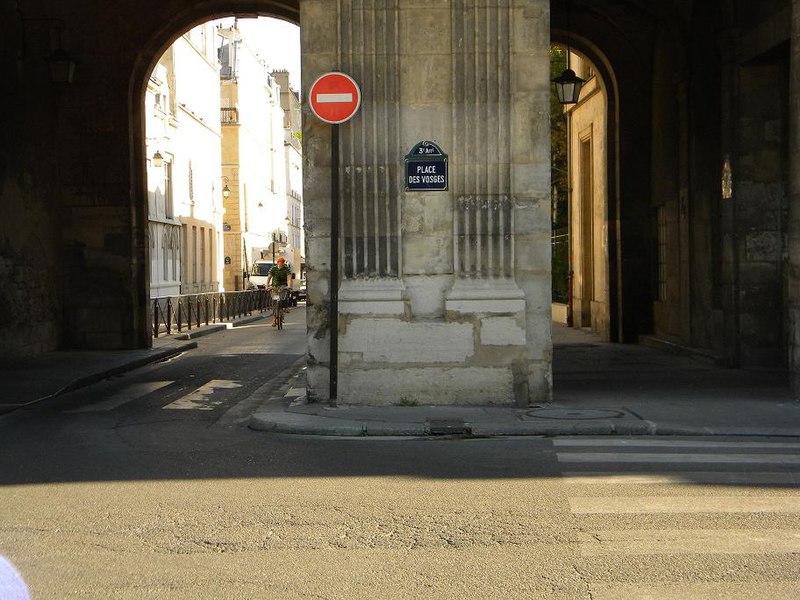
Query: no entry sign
[{"x": 334, "y": 97}]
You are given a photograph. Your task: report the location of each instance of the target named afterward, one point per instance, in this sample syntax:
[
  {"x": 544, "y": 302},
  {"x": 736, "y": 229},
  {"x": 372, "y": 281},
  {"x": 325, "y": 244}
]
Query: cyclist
[{"x": 281, "y": 277}]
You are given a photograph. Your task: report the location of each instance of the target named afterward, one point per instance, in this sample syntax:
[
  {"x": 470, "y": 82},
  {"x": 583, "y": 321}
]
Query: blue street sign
[{"x": 426, "y": 168}]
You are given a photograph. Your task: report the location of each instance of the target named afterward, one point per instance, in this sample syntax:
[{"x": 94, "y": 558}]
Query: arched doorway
[{"x": 202, "y": 235}]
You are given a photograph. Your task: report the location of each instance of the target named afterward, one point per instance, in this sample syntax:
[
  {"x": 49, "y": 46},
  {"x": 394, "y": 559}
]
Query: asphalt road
[{"x": 150, "y": 485}]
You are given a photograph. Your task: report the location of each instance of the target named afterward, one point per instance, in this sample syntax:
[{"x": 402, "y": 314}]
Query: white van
[{"x": 259, "y": 273}]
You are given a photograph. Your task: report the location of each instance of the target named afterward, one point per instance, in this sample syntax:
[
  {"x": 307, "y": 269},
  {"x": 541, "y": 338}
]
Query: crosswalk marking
[
  {"x": 133, "y": 391},
  {"x": 677, "y": 477},
  {"x": 686, "y": 504},
  {"x": 691, "y": 541},
  {"x": 658, "y": 443},
  {"x": 674, "y": 457},
  {"x": 201, "y": 398},
  {"x": 611, "y": 526},
  {"x": 783, "y": 590}
]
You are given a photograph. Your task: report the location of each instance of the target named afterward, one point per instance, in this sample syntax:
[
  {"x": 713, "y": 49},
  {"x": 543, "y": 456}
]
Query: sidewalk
[
  {"x": 25, "y": 381},
  {"x": 599, "y": 389}
]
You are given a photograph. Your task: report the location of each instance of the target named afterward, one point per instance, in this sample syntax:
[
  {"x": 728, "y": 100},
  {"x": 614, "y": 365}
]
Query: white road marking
[
  {"x": 200, "y": 399},
  {"x": 685, "y": 504},
  {"x": 330, "y": 98},
  {"x": 295, "y": 391},
  {"x": 642, "y": 457},
  {"x": 783, "y": 590},
  {"x": 692, "y": 541},
  {"x": 694, "y": 477},
  {"x": 132, "y": 392},
  {"x": 650, "y": 443}
]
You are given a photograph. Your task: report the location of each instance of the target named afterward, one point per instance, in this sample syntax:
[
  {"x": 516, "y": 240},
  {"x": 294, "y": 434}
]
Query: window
[
  {"x": 193, "y": 251},
  {"x": 165, "y": 255},
  {"x": 153, "y": 252},
  {"x": 175, "y": 244},
  {"x": 203, "y": 254},
  {"x": 168, "y": 210}
]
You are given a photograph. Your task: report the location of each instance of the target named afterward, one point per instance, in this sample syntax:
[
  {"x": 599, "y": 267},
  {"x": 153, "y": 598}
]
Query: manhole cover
[{"x": 574, "y": 413}]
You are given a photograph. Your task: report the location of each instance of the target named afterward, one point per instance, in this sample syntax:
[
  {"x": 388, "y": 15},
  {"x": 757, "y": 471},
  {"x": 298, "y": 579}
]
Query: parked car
[{"x": 300, "y": 292}]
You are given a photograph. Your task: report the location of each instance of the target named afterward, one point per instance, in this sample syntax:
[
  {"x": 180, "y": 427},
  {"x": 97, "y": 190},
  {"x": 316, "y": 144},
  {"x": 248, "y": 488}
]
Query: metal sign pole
[
  {"x": 334, "y": 98},
  {"x": 333, "y": 315}
]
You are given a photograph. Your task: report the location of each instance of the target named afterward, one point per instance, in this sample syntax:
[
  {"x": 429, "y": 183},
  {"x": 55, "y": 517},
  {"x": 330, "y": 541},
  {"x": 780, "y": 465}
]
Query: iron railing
[
  {"x": 229, "y": 116},
  {"x": 176, "y": 313}
]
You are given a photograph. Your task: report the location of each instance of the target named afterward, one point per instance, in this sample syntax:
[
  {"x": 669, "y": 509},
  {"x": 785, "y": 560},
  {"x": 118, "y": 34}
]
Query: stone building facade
[
  {"x": 184, "y": 189},
  {"x": 444, "y": 294},
  {"x": 253, "y": 157}
]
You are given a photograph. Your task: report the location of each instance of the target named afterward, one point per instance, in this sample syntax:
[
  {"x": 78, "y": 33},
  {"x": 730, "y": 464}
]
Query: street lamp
[
  {"x": 62, "y": 67},
  {"x": 568, "y": 84},
  {"x": 226, "y": 191}
]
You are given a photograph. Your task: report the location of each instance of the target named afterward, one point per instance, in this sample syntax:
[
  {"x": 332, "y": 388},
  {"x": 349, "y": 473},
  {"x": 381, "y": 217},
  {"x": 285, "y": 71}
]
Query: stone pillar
[
  {"x": 793, "y": 227},
  {"x": 445, "y": 295}
]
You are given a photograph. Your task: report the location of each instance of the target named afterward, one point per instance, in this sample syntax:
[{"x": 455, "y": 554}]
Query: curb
[
  {"x": 299, "y": 424},
  {"x": 155, "y": 356}
]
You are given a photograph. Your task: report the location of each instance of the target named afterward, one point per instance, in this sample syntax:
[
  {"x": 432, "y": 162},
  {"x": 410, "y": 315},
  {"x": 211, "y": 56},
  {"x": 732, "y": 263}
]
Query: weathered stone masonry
[{"x": 444, "y": 296}]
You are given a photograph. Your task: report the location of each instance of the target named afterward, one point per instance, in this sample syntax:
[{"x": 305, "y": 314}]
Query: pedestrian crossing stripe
[
  {"x": 670, "y": 457},
  {"x": 658, "y": 443},
  {"x": 685, "y": 504},
  {"x": 708, "y": 590},
  {"x": 134, "y": 391},
  {"x": 689, "y": 541},
  {"x": 673, "y": 477},
  {"x": 202, "y": 397}
]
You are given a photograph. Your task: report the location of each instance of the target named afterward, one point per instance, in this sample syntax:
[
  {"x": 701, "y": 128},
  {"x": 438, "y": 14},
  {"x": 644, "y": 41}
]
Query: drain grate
[
  {"x": 576, "y": 414},
  {"x": 447, "y": 427}
]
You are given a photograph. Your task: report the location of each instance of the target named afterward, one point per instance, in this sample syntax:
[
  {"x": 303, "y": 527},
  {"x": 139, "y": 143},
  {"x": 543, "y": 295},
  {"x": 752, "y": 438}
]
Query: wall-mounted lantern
[
  {"x": 62, "y": 65},
  {"x": 568, "y": 84}
]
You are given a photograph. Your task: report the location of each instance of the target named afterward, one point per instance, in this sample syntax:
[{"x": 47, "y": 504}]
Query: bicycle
[{"x": 278, "y": 295}]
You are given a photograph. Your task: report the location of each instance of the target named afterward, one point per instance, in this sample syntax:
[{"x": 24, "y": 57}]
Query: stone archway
[{"x": 154, "y": 46}]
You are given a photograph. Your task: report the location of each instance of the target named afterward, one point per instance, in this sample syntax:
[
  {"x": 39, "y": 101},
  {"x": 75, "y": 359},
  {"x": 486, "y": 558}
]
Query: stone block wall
[{"x": 444, "y": 296}]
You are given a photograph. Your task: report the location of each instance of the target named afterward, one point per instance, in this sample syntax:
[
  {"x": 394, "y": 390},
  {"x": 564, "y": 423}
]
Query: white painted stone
[
  {"x": 485, "y": 296},
  {"x": 373, "y": 307},
  {"x": 372, "y": 296},
  {"x": 485, "y": 306},
  {"x": 403, "y": 342},
  {"x": 502, "y": 331},
  {"x": 427, "y": 386},
  {"x": 426, "y": 294}
]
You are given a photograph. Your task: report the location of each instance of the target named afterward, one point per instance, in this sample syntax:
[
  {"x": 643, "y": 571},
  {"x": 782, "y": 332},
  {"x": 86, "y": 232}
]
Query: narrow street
[{"x": 150, "y": 485}]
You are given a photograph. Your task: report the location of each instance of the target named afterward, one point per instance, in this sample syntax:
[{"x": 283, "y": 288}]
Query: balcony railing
[
  {"x": 173, "y": 314},
  {"x": 229, "y": 116}
]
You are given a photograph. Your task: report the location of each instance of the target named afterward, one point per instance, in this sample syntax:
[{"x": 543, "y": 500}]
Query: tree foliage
[{"x": 559, "y": 181}]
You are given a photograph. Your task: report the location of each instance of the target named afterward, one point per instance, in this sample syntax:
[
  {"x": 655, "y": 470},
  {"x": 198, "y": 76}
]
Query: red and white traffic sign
[{"x": 334, "y": 97}]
